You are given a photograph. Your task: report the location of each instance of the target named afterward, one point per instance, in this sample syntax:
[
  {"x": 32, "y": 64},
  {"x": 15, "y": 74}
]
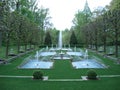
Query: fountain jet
[{"x": 60, "y": 40}]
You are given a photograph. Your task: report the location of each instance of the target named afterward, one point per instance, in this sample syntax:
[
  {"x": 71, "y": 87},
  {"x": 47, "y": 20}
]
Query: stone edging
[{"x": 45, "y": 78}]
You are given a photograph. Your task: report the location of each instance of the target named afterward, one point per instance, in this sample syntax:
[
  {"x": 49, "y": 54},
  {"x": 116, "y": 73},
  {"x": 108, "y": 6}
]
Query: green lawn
[
  {"x": 62, "y": 69},
  {"x": 29, "y": 84}
]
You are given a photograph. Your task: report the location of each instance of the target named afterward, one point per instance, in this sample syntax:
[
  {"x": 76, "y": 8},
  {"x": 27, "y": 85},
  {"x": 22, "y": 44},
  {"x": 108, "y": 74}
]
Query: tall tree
[
  {"x": 48, "y": 40},
  {"x": 1, "y": 19},
  {"x": 114, "y": 22},
  {"x": 54, "y": 35},
  {"x": 66, "y": 37},
  {"x": 79, "y": 21},
  {"x": 73, "y": 40}
]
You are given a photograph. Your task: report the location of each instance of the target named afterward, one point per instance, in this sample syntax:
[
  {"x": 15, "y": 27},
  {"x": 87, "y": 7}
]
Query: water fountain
[
  {"x": 79, "y": 58},
  {"x": 12, "y": 52},
  {"x": 69, "y": 45},
  {"x": 87, "y": 62},
  {"x": 75, "y": 49},
  {"x": 60, "y": 40},
  {"x": 101, "y": 49},
  {"x": 61, "y": 54},
  {"x": 37, "y": 59},
  {"x": 37, "y": 55},
  {"x": 86, "y": 55},
  {"x": 111, "y": 51},
  {"x": 46, "y": 48},
  {"x": 21, "y": 49}
]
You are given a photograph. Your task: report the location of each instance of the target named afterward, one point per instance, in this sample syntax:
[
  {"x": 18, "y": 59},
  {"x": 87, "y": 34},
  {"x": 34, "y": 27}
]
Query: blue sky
[{"x": 62, "y": 11}]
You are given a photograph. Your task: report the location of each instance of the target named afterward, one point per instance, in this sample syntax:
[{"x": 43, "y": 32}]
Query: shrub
[
  {"x": 38, "y": 75},
  {"x": 91, "y": 74}
]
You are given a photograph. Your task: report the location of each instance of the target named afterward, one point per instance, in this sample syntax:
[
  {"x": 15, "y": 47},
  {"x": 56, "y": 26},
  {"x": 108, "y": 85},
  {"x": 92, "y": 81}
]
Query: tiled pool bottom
[
  {"x": 34, "y": 64},
  {"x": 87, "y": 64}
]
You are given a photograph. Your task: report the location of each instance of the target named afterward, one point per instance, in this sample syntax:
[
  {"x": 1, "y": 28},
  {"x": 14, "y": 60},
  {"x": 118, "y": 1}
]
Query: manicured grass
[
  {"x": 62, "y": 69},
  {"x": 29, "y": 84}
]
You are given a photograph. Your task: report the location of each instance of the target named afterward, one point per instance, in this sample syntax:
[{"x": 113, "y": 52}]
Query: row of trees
[
  {"x": 22, "y": 23},
  {"x": 52, "y": 36},
  {"x": 104, "y": 30},
  {"x": 100, "y": 29}
]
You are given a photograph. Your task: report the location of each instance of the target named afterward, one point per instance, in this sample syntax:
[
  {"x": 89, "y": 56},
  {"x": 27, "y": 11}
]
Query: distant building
[{"x": 87, "y": 12}]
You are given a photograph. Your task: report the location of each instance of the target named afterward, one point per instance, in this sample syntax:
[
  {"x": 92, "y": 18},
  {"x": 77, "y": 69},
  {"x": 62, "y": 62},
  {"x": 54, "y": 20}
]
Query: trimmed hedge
[
  {"x": 91, "y": 74},
  {"x": 38, "y": 75}
]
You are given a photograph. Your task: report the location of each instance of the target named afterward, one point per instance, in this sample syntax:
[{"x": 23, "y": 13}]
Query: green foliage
[
  {"x": 100, "y": 29},
  {"x": 54, "y": 35},
  {"x": 66, "y": 37},
  {"x": 115, "y": 4},
  {"x": 79, "y": 19},
  {"x": 24, "y": 25},
  {"x": 91, "y": 74},
  {"x": 48, "y": 40},
  {"x": 38, "y": 75},
  {"x": 79, "y": 22},
  {"x": 73, "y": 40}
]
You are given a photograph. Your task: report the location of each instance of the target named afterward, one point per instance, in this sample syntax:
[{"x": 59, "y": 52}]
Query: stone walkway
[
  {"x": 106, "y": 76},
  {"x": 109, "y": 75},
  {"x": 46, "y": 77},
  {"x": 9, "y": 76},
  {"x": 65, "y": 80}
]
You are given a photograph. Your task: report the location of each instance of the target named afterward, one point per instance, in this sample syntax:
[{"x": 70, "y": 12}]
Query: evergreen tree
[
  {"x": 48, "y": 40},
  {"x": 73, "y": 40}
]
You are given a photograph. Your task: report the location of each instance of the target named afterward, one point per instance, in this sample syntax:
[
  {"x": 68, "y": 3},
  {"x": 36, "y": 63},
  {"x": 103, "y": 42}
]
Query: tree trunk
[
  {"x": 104, "y": 41},
  {"x": 96, "y": 40},
  {"x": 18, "y": 45},
  {"x": 7, "y": 46},
  {"x": 104, "y": 45},
  {"x": 116, "y": 42},
  {"x": 25, "y": 47}
]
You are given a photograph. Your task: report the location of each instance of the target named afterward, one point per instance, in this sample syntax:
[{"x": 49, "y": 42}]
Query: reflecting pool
[
  {"x": 44, "y": 59},
  {"x": 33, "y": 64},
  {"x": 90, "y": 63}
]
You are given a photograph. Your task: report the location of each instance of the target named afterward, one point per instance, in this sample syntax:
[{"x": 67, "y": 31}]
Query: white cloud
[{"x": 62, "y": 11}]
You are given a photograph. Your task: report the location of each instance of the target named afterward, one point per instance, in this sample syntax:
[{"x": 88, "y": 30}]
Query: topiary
[
  {"x": 91, "y": 74},
  {"x": 38, "y": 75}
]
